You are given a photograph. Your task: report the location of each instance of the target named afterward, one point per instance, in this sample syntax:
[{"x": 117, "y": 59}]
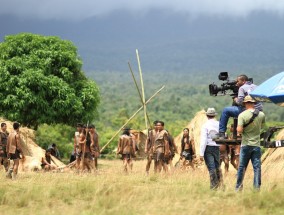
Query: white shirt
[{"x": 208, "y": 131}]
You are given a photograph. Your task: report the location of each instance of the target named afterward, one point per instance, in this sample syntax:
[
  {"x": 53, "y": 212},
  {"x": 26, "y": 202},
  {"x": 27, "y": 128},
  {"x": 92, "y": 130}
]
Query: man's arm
[
  {"x": 147, "y": 142},
  {"x": 193, "y": 146},
  {"x": 167, "y": 145},
  {"x": 240, "y": 127},
  {"x": 203, "y": 142},
  {"x": 18, "y": 145},
  {"x": 241, "y": 95},
  {"x": 118, "y": 146}
]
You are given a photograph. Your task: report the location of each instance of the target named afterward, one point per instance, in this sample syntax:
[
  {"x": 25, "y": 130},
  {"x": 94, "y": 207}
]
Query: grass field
[{"x": 110, "y": 191}]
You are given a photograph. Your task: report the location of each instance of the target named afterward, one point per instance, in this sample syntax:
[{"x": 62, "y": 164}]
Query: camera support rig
[{"x": 266, "y": 143}]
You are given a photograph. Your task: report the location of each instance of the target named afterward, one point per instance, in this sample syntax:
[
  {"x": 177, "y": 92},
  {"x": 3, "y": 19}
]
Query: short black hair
[
  {"x": 53, "y": 145},
  {"x": 243, "y": 77},
  {"x": 126, "y": 132},
  {"x": 16, "y": 125},
  {"x": 3, "y": 124},
  {"x": 162, "y": 123},
  {"x": 79, "y": 125}
]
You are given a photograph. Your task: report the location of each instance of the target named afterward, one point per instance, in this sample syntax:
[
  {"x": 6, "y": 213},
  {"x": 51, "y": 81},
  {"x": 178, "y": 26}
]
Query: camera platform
[{"x": 228, "y": 141}]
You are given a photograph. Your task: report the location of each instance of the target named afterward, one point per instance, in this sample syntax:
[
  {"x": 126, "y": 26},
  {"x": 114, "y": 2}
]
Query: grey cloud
[{"x": 78, "y": 10}]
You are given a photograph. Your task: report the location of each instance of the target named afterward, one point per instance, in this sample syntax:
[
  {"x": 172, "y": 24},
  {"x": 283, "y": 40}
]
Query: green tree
[{"x": 42, "y": 82}]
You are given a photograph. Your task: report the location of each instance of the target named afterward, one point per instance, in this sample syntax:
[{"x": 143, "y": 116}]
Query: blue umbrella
[{"x": 272, "y": 90}]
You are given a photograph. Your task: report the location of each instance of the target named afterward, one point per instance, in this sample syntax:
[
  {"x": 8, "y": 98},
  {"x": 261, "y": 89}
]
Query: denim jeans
[
  {"x": 232, "y": 111},
  {"x": 252, "y": 153},
  {"x": 212, "y": 161}
]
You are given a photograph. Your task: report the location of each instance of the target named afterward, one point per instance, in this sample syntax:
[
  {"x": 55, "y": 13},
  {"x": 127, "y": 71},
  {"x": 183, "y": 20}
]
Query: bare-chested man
[
  {"x": 87, "y": 159},
  {"x": 95, "y": 147},
  {"x": 126, "y": 147},
  {"x": 161, "y": 148},
  {"x": 187, "y": 149},
  {"x": 3, "y": 144},
  {"x": 46, "y": 164},
  {"x": 149, "y": 146},
  {"x": 14, "y": 150}
]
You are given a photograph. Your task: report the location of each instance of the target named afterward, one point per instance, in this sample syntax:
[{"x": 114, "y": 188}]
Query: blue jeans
[
  {"x": 212, "y": 161},
  {"x": 252, "y": 153},
  {"x": 232, "y": 111}
]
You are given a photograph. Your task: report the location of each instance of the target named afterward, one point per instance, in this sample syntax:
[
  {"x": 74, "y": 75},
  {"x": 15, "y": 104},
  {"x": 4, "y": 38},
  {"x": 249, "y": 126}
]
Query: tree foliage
[
  {"x": 61, "y": 135},
  {"x": 42, "y": 82}
]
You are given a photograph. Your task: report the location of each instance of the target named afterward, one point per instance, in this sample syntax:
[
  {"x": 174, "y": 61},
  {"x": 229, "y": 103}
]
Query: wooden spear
[
  {"x": 131, "y": 118},
  {"x": 138, "y": 92},
  {"x": 142, "y": 86}
]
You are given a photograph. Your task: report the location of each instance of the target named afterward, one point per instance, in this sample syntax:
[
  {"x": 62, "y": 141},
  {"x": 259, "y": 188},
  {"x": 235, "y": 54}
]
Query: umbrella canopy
[{"x": 272, "y": 90}]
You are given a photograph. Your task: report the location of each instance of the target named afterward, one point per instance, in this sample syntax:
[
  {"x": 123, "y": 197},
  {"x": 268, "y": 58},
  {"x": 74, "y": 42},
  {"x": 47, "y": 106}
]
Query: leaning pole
[
  {"x": 134, "y": 79},
  {"x": 131, "y": 118},
  {"x": 142, "y": 86}
]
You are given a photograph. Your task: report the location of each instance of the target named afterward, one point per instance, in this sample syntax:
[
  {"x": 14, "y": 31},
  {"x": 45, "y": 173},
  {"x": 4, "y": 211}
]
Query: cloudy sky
[{"x": 78, "y": 10}]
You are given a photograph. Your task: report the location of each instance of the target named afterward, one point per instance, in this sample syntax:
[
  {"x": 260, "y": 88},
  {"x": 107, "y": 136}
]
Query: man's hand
[
  {"x": 201, "y": 158},
  {"x": 146, "y": 151}
]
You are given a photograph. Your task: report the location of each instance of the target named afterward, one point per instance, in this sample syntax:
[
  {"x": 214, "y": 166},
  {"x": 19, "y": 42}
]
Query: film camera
[{"x": 228, "y": 85}]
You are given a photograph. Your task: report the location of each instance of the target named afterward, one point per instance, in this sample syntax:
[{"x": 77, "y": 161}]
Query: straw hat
[
  {"x": 211, "y": 112},
  {"x": 249, "y": 99}
]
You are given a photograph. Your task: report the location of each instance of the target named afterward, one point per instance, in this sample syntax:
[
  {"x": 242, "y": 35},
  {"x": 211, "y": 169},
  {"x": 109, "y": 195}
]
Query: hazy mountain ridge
[{"x": 167, "y": 41}]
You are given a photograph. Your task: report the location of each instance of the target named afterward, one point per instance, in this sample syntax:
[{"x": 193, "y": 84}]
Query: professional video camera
[{"x": 230, "y": 85}]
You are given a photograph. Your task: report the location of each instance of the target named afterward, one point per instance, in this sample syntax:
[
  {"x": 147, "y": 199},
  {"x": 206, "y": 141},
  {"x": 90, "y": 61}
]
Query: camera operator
[{"x": 245, "y": 87}]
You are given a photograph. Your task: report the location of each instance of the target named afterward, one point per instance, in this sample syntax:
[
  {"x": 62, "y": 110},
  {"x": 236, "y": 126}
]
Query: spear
[
  {"x": 131, "y": 118},
  {"x": 138, "y": 91}
]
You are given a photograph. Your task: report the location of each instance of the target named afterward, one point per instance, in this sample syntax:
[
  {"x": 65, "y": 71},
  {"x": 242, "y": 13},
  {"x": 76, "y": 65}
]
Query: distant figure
[
  {"x": 54, "y": 151},
  {"x": 126, "y": 147},
  {"x": 149, "y": 146},
  {"x": 95, "y": 146},
  {"x": 209, "y": 150},
  {"x": 14, "y": 151},
  {"x": 3, "y": 145},
  {"x": 46, "y": 161},
  {"x": 250, "y": 123},
  {"x": 187, "y": 149},
  {"x": 160, "y": 148},
  {"x": 75, "y": 152},
  {"x": 87, "y": 157}
]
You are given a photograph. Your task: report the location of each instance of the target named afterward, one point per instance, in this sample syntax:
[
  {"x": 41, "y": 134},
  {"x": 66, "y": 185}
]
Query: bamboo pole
[
  {"x": 142, "y": 86},
  {"x": 131, "y": 118},
  {"x": 138, "y": 92}
]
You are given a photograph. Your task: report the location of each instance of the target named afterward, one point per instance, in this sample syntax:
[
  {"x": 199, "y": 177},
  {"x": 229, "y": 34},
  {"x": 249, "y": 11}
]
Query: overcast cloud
[{"x": 82, "y": 9}]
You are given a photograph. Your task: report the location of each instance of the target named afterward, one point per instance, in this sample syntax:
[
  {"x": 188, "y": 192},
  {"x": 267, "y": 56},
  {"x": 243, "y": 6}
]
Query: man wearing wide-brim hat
[
  {"x": 250, "y": 123},
  {"x": 209, "y": 150}
]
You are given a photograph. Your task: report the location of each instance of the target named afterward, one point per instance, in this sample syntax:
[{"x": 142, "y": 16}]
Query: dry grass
[{"x": 111, "y": 192}]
